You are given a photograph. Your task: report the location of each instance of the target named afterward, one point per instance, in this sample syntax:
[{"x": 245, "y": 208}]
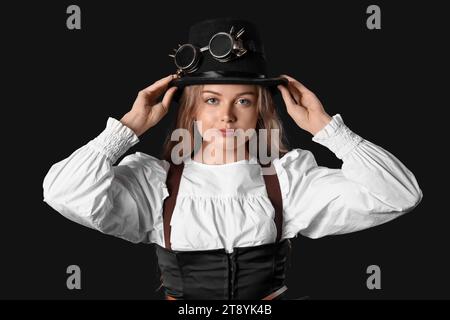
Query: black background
[{"x": 389, "y": 85}]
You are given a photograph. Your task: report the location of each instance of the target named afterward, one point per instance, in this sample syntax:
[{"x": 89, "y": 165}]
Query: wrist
[
  {"x": 129, "y": 120},
  {"x": 320, "y": 124}
]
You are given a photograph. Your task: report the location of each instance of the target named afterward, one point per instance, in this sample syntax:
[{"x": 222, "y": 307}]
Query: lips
[{"x": 227, "y": 132}]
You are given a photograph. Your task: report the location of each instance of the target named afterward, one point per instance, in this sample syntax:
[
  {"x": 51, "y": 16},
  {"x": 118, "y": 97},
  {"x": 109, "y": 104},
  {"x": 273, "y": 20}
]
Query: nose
[{"x": 227, "y": 114}]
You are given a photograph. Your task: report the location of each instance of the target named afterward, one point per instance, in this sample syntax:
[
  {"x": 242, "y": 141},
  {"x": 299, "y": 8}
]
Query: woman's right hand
[{"x": 146, "y": 111}]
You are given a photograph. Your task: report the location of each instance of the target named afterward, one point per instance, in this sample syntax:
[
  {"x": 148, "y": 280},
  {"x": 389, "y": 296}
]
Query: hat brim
[
  {"x": 187, "y": 81},
  {"x": 270, "y": 83}
]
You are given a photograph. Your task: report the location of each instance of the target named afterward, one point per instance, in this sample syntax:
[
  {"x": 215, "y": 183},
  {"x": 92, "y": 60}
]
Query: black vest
[{"x": 246, "y": 273}]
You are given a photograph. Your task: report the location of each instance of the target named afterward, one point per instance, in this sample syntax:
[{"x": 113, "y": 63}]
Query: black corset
[{"x": 246, "y": 273}]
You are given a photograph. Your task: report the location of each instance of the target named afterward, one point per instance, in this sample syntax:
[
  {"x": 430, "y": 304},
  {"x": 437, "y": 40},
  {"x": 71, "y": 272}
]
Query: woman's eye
[
  {"x": 213, "y": 99},
  {"x": 246, "y": 101}
]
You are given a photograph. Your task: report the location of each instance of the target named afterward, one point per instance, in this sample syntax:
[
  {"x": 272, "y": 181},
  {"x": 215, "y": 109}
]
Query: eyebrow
[{"x": 239, "y": 94}]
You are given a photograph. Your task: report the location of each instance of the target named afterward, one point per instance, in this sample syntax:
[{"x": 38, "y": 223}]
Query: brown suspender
[
  {"x": 173, "y": 183},
  {"x": 274, "y": 192}
]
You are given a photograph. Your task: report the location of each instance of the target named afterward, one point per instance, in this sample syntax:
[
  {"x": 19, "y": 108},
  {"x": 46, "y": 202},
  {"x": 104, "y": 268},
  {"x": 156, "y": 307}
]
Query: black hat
[{"x": 223, "y": 51}]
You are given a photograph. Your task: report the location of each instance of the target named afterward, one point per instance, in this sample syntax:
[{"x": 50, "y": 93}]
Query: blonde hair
[{"x": 267, "y": 119}]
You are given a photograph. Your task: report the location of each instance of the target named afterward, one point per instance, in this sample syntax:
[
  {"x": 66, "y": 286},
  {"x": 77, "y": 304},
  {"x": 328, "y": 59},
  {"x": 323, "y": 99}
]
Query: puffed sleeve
[
  {"x": 124, "y": 200},
  {"x": 372, "y": 187}
]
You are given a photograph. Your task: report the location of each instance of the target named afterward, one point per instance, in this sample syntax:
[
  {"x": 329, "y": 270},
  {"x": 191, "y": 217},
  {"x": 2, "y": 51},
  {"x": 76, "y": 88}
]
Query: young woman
[{"x": 220, "y": 220}]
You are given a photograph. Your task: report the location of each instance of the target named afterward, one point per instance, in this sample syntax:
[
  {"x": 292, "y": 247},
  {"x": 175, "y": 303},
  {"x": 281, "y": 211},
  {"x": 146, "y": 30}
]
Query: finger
[
  {"x": 296, "y": 83},
  {"x": 295, "y": 93},
  {"x": 286, "y": 96},
  {"x": 168, "y": 96},
  {"x": 159, "y": 86},
  {"x": 162, "y": 107}
]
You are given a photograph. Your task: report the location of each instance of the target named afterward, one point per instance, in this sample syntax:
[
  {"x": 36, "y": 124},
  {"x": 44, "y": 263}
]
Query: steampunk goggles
[{"x": 223, "y": 46}]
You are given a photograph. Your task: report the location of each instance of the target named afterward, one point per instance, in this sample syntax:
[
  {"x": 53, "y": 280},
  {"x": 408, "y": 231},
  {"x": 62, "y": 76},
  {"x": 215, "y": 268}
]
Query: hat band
[{"x": 227, "y": 74}]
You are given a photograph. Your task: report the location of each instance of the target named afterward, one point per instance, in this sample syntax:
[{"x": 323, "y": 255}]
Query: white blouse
[{"x": 227, "y": 206}]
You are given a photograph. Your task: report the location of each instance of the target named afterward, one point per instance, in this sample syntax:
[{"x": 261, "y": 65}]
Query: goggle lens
[
  {"x": 221, "y": 45},
  {"x": 185, "y": 56}
]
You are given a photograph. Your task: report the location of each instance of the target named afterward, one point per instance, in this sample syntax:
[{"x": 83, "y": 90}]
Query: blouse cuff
[
  {"x": 115, "y": 140},
  {"x": 337, "y": 137}
]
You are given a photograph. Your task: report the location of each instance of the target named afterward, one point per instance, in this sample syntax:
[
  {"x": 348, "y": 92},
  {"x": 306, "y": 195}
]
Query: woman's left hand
[{"x": 303, "y": 106}]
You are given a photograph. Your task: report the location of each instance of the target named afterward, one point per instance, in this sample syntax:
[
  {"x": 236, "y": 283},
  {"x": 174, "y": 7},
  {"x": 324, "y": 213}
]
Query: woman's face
[{"x": 226, "y": 106}]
